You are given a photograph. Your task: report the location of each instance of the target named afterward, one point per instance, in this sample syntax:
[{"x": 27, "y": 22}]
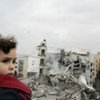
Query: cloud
[{"x": 64, "y": 23}]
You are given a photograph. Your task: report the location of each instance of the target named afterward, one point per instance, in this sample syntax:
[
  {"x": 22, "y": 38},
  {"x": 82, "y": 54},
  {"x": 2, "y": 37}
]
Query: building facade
[
  {"x": 23, "y": 63},
  {"x": 97, "y": 59},
  {"x": 42, "y": 52}
]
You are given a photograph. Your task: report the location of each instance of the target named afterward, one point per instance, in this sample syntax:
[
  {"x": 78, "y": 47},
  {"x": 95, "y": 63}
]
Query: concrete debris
[
  {"x": 65, "y": 88},
  {"x": 65, "y": 80}
]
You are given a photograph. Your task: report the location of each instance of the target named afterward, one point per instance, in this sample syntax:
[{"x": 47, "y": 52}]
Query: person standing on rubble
[{"x": 10, "y": 87}]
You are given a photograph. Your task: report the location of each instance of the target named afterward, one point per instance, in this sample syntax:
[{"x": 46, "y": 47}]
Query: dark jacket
[{"x": 13, "y": 89}]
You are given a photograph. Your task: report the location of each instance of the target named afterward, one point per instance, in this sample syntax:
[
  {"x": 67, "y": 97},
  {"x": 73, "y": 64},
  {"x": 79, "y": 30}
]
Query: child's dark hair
[{"x": 7, "y": 43}]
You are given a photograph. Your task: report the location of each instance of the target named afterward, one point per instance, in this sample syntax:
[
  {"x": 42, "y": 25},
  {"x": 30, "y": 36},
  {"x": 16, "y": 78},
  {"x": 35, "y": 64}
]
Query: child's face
[{"x": 7, "y": 62}]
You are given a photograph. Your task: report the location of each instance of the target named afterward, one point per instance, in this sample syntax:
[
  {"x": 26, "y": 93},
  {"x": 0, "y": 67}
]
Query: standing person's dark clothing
[{"x": 13, "y": 89}]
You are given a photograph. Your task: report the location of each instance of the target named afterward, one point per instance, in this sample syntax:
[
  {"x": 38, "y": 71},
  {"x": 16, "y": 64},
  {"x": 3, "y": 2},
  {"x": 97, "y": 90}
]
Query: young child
[{"x": 10, "y": 87}]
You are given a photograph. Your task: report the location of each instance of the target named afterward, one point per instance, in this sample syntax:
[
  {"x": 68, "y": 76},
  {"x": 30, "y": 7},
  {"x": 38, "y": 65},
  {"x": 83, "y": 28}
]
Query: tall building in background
[
  {"x": 97, "y": 61},
  {"x": 97, "y": 79},
  {"x": 42, "y": 52},
  {"x": 92, "y": 69}
]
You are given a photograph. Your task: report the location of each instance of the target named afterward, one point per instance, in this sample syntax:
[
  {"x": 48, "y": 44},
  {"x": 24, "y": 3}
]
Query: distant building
[
  {"x": 97, "y": 58},
  {"x": 33, "y": 64},
  {"x": 97, "y": 79},
  {"x": 88, "y": 62},
  {"x": 83, "y": 62},
  {"x": 42, "y": 52},
  {"x": 16, "y": 72},
  {"x": 23, "y": 63},
  {"x": 92, "y": 69}
]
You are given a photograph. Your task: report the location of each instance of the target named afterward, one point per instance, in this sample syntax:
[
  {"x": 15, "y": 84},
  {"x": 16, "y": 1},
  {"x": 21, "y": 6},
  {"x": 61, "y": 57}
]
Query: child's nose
[{"x": 11, "y": 66}]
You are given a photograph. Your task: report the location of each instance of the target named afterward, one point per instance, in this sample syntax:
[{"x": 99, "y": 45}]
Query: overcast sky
[{"x": 64, "y": 23}]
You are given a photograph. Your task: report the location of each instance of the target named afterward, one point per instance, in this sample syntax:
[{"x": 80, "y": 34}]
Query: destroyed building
[
  {"x": 42, "y": 52},
  {"x": 55, "y": 62},
  {"x": 79, "y": 63},
  {"x": 63, "y": 76}
]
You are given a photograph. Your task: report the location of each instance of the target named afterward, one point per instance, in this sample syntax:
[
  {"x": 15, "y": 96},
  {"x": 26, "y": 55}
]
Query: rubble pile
[
  {"x": 65, "y": 84},
  {"x": 67, "y": 88}
]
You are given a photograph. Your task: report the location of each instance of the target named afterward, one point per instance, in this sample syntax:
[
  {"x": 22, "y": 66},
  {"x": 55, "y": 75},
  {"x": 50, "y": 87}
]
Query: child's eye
[
  {"x": 14, "y": 61},
  {"x": 5, "y": 60}
]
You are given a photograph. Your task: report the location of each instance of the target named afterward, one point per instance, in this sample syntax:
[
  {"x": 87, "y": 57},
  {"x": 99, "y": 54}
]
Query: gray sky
[{"x": 64, "y": 23}]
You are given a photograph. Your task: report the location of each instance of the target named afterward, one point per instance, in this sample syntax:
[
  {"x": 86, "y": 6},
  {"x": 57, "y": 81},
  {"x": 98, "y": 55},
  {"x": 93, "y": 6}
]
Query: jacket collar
[{"x": 7, "y": 81}]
